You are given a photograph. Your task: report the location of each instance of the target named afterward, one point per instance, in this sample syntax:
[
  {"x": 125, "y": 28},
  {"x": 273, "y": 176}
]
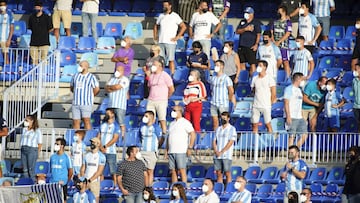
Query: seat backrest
[
  {"x": 326, "y": 62},
  {"x": 160, "y": 187},
  {"x": 19, "y": 28},
  {"x": 337, "y": 32},
  {"x": 264, "y": 190},
  {"x": 42, "y": 167},
  {"x": 278, "y": 124},
  {"x": 105, "y": 45},
  {"x": 336, "y": 173},
  {"x": 270, "y": 173},
  {"x": 197, "y": 171},
  {"x": 67, "y": 58},
  {"x": 251, "y": 188},
  {"x": 86, "y": 43},
  {"x": 219, "y": 188},
  {"x": 67, "y": 43},
  {"x": 92, "y": 58},
  {"x": 242, "y": 124},
  {"x": 76, "y": 28},
  {"x": 253, "y": 172},
  {"x": 318, "y": 174},
  {"x": 89, "y": 135},
  {"x": 25, "y": 181},
  {"x": 316, "y": 189},
  {"x": 113, "y": 30},
  {"x": 161, "y": 170},
  {"x": 134, "y": 30}
]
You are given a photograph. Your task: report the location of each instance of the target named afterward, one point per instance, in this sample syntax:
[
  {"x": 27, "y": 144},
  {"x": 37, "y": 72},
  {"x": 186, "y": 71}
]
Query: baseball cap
[
  {"x": 249, "y": 10},
  {"x": 95, "y": 139}
]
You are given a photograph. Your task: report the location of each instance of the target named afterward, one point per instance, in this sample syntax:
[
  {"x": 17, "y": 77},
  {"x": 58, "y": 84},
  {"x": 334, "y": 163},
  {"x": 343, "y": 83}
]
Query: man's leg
[
  {"x": 76, "y": 116},
  {"x": 267, "y": 119},
  {"x": 34, "y": 54},
  {"x": 85, "y": 21},
  {"x": 255, "y": 117},
  {"x": 215, "y": 116},
  {"x": 56, "y": 24},
  {"x": 44, "y": 52},
  {"x": 93, "y": 18},
  {"x": 170, "y": 50}
]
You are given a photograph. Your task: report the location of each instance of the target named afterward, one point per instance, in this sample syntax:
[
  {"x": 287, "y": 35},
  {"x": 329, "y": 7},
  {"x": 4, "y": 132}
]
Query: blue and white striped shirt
[
  {"x": 149, "y": 136},
  {"x": 322, "y": 7},
  {"x": 244, "y": 197},
  {"x": 107, "y": 132},
  {"x": 83, "y": 88},
  {"x": 222, "y": 138},
  {"x": 219, "y": 89},
  {"x": 6, "y": 20},
  {"x": 301, "y": 61},
  {"x": 86, "y": 197},
  {"x": 31, "y": 138},
  {"x": 332, "y": 98},
  {"x": 118, "y": 98},
  {"x": 78, "y": 152},
  {"x": 292, "y": 182}
]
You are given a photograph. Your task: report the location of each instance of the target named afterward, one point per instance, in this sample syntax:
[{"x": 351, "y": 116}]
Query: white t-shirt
[
  {"x": 92, "y": 162},
  {"x": 270, "y": 54},
  {"x": 295, "y": 97},
  {"x": 90, "y": 6},
  {"x": 307, "y": 25},
  {"x": 262, "y": 98},
  {"x": 211, "y": 198},
  {"x": 201, "y": 24},
  {"x": 63, "y": 5},
  {"x": 179, "y": 131},
  {"x": 169, "y": 24}
]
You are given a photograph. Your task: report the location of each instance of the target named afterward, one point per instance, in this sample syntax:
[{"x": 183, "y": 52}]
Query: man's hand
[
  {"x": 125, "y": 192},
  {"x": 8, "y": 42},
  {"x": 209, "y": 36},
  {"x": 288, "y": 166},
  {"x": 175, "y": 39},
  {"x": 218, "y": 154},
  {"x": 277, "y": 43},
  {"x": 188, "y": 152},
  {"x": 249, "y": 28},
  {"x": 61, "y": 182},
  {"x": 288, "y": 121},
  {"x": 126, "y": 60},
  {"x": 254, "y": 48}
]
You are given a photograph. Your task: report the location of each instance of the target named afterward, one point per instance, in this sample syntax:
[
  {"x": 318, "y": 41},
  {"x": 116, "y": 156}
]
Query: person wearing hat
[
  {"x": 83, "y": 195},
  {"x": 93, "y": 166},
  {"x": 249, "y": 30}
]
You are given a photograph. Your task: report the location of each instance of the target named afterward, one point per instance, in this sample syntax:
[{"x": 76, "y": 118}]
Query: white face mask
[
  {"x": 357, "y": 26},
  {"x": 246, "y": 16},
  {"x": 237, "y": 185},
  {"x": 153, "y": 69},
  {"x": 259, "y": 69},
  {"x": 329, "y": 88},
  {"x": 80, "y": 69},
  {"x": 3, "y": 8},
  {"x": 217, "y": 69},
  {"x": 303, "y": 198},
  {"x": 301, "y": 11},
  {"x": 205, "y": 188},
  {"x": 26, "y": 124},
  {"x": 323, "y": 87},
  {"x": 173, "y": 114},
  {"x": 145, "y": 119},
  {"x": 302, "y": 83},
  {"x": 138, "y": 155},
  {"x": 117, "y": 74},
  {"x": 56, "y": 148},
  {"x": 175, "y": 193},
  {"x": 41, "y": 182},
  {"x": 226, "y": 50},
  {"x": 355, "y": 73},
  {"x": 191, "y": 78},
  {"x": 123, "y": 43},
  {"x": 146, "y": 196},
  {"x": 298, "y": 44},
  {"x": 75, "y": 138}
]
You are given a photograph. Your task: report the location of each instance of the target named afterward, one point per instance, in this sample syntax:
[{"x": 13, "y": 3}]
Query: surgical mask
[
  {"x": 56, "y": 148},
  {"x": 153, "y": 69},
  {"x": 266, "y": 41},
  {"x": 246, "y": 16},
  {"x": 357, "y": 26},
  {"x": 92, "y": 146},
  {"x": 146, "y": 196},
  {"x": 237, "y": 185},
  {"x": 78, "y": 187},
  {"x": 205, "y": 188},
  {"x": 117, "y": 74},
  {"x": 329, "y": 88},
  {"x": 80, "y": 69},
  {"x": 41, "y": 182},
  {"x": 298, "y": 45},
  {"x": 355, "y": 73},
  {"x": 191, "y": 78},
  {"x": 302, "y": 83},
  {"x": 123, "y": 43},
  {"x": 26, "y": 124},
  {"x": 145, "y": 119},
  {"x": 152, "y": 54},
  {"x": 217, "y": 69},
  {"x": 173, "y": 114},
  {"x": 301, "y": 11},
  {"x": 75, "y": 138},
  {"x": 204, "y": 10},
  {"x": 138, "y": 155},
  {"x": 303, "y": 198},
  {"x": 323, "y": 87},
  {"x": 223, "y": 122},
  {"x": 259, "y": 69},
  {"x": 226, "y": 50},
  {"x": 3, "y": 8},
  {"x": 175, "y": 193},
  {"x": 291, "y": 156}
]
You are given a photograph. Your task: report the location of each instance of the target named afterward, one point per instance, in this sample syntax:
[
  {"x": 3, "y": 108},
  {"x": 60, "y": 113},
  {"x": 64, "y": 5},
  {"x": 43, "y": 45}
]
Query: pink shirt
[{"x": 159, "y": 86}]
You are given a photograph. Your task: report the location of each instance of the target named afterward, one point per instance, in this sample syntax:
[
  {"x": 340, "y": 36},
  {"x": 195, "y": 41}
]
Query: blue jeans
[
  {"x": 134, "y": 198},
  {"x": 111, "y": 161},
  {"x": 29, "y": 156},
  {"x": 86, "y": 19},
  {"x": 222, "y": 30}
]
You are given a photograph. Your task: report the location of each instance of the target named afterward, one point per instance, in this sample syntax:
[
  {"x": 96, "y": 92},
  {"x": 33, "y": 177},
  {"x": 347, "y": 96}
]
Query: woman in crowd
[
  {"x": 232, "y": 62},
  {"x": 198, "y": 60},
  {"x": 154, "y": 55},
  {"x": 148, "y": 195},
  {"x": 178, "y": 194}
]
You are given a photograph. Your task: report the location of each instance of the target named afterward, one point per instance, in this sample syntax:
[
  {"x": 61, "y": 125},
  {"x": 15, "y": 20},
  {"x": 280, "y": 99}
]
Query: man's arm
[
  {"x": 98, "y": 173},
  {"x": 294, "y": 13},
  {"x": 298, "y": 174},
  {"x": 146, "y": 179},
  {"x": 317, "y": 33},
  {"x": 227, "y": 146},
  {"x": 273, "y": 94},
  {"x": 171, "y": 91},
  {"x": 70, "y": 174},
  {"x": 82, "y": 170},
  {"x": 191, "y": 33},
  {"x": 285, "y": 37},
  {"x": 155, "y": 32},
  {"x": 113, "y": 140},
  {"x": 4, "y": 131},
  {"x": 11, "y": 32},
  {"x": 231, "y": 94},
  {"x": 181, "y": 32},
  {"x": 308, "y": 101},
  {"x": 217, "y": 28},
  {"x": 287, "y": 111},
  {"x": 96, "y": 91},
  {"x": 224, "y": 13},
  {"x": 121, "y": 186},
  {"x": 311, "y": 68}
]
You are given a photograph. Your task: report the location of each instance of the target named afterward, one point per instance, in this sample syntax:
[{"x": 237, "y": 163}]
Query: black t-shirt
[
  {"x": 247, "y": 38},
  {"x": 40, "y": 27}
]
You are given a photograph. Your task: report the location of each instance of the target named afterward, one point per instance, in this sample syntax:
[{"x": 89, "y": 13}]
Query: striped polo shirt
[
  {"x": 6, "y": 20},
  {"x": 107, "y": 131},
  {"x": 301, "y": 61},
  {"x": 222, "y": 137},
  {"x": 149, "y": 136},
  {"x": 118, "y": 98},
  {"x": 83, "y": 88},
  {"x": 219, "y": 88},
  {"x": 322, "y": 7}
]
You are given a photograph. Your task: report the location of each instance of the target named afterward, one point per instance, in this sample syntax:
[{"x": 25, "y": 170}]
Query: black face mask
[
  {"x": 204, "y": 10},
  {"x": 78, "y": 187},
  {"x": 165, "y": 10},
  {"x": 37, "y": 11},
  {"x": 152, "y": 54},
  {"x": 278, "y": 15},
  {"x": 106, "y": 118},
  {"x": 92, "y": 146},
  {"x": 223, "y": 122},
  {"x": 351, "y": 157},
  {"x": 266, "y": 41}
]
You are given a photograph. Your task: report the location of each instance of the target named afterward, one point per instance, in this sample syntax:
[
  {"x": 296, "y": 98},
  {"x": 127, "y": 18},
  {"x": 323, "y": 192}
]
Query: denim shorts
[
  {"x": 120, "y": 116},
  {"x": 81, "y": 111},
  {"x": 177, "y": 161},
  {"x": 325, "y": 25},
  {"x": 111, "y": 160},
  {"x": 298, "y": 126},
  {"x": 168, "y": 51},
  {"x": 223, "y": 165}
]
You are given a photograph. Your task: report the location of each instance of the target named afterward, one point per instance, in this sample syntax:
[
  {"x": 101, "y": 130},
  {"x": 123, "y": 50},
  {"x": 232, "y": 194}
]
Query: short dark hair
[
  {"x": 306, "y": 3},
  {"x": 61, "y": 140},
  {"x": 294, "y": 147},
  {"x": 225, "y": 113},
  {"x": 3, "y": 1},
  {"x": 170, "y": 2},
  {"x": 112, "y": 110},
  {"x": 196, "y": 44},
  {"x": 297, "y": 75},
  {"x": 265, "y": 63},
  {"x": 321, "y": 78},
  {"x": 230, "y": 43},
  {"x": 331, "y": 81},
  {"x": 130, "y": 149},
  {"x": 300, "y": 37},
  {"x": 221, "y": 62},
  {"x": 284, "y": 8},
  {"x": 38, "y": 3},
  {"x": 149, "y": 112},
  {"x": 267, "y": 33},
  {"x": 308, "y": 189}
]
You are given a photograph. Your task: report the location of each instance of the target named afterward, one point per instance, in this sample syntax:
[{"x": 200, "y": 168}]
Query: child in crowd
[
  {"x": 148, "y": 195},
  {"x": 78, "y": 151},
  {"x": 333, "y": 102}
]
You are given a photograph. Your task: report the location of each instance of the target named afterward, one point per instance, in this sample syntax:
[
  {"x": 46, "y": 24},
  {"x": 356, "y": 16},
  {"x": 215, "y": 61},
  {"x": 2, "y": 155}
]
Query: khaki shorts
[
  {"x": 149, "y": 159},
  {"x": 4, "y": 48},
  {"x": 308, "y": 114},
  {"x": 65, "y": 16},
  {"x": 159, "y": 108},
  {"x": 95, "y": 188}
]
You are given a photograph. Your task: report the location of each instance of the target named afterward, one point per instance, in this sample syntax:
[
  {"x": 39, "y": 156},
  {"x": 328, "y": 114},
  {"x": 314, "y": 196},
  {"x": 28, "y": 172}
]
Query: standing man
[
  {"x": 40, "y": 25},
  {"x": 293, "y": 99},
  {"x": 161, "y": 88},
  {"x": 109, "y": 135},
  {"x": 352, "y": 174},
  {"x": 222, "y": 92},
  {"x": 309, "y": 26},
  {"x": 78, "y": 150},
  {"x": 151, "y": 140},
  {"x": 89, "y": 13},
  {"x": 356, "y": 89},
  {"x": 180, "y": 143},
  {"x": 85, "y": 87},
  {"x": 249, "y": 30},
  {"x": 209, "y": 195},
  {"x": 200, "y": 26},
  {"x": 303, "y": 60},
  {"x": 356, "y": 52},
  {"x": 264, "y": 87},
  {"x": 293, "y": 7},
  {"x": 117, "y": 88},
  {"x": 295, "y": 172},
  {"x": 221, "y": 8},
  {"x": 61, "y": 166},
  {"x": 4, "y": 131},
  {"x": 322, "y": 10},
  {"x": 269, "y": 52},
  {"x": 169, "y": 22},
  {"x": 281, "y": 30},
  {"x": 93, "y": 167},
  {"x": 223, "y": 145},
  {"x": 6, "y": 29},
  {"x": 62, "y": 11},
  {"x": 241, "y": 194},
  {"x": 132, "y": 176},
  {"x": 124, "y": 56}
]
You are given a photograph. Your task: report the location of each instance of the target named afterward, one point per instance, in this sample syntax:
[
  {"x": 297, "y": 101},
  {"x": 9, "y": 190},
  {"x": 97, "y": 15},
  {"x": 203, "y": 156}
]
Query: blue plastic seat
[
  {"x": 317, "y": 191},
  {"x": 76, "y": 29},
  {"x": 346, "y": 111},
  {"x": 217, "y": 43},
  {"x": 350, "y": 126},
  {"x": 252, "y": 173},
  {"x": 160, "y": 188},
  {"x": 110, "y": 200},
  {"x": 3, "y": 179},
  {"x": 348, "y": 94},
  {"x": 67, "y": 43},
  {"x": 277, "y": 109},
  {"x": 243, "y": 124},
  {"x": 343, "y": 47},
  {"x": 194, "y": 190},
  {"x": 42, "y": 167},
  {"x": 68, "y": 72},
  {"x": 331, "y": 193},
  {"x": 210, "y": 173},
  {"x": 140, "y": 8},
  {"x": 67, "y": 58},
  {"x": 161, "y": 172},
  {"x": 107, "y": 188},
  {"x": 263, "y": 192},
  {"x": 9, "y": 73},
  {"x": 205, "y": 141},
  {"x": 179, "y": 91},
  {"x": 181, "y": 76},
  {"x": 280, "y": 92},
  {"x": 218, "y": 188},
  {"x": 113, "y": 30},
  {"x": 229, "y": 190},
  {"x": 131, "y": 122},
  {"x": 337, "y": 32},
  {"x": 120, "y": 8},
  {"x": 350, "y": 33},
  {"x": 89, "y": 135},
  {"x": 134, "y": 30},
  {"x": 206, "y": 124},
  {"x": 105, "y": 45},
  {"x": 229, "y": 32},
  {"x": 136, "y": 90},
  {"x": 278, "y": 125},
  {"x": 180, "y": 58},
  {"x": 326, "y": 62},
  {"x": 242, "y": 109},
  {"x": 335, "y": 176},
  {"x": 235, "y": 172},
  {"x": 24, "y": 181},
  {"x": 92, "y": 58},
  {"x": 344, "y": 62},
  {"x": 317, "y": 174},
  {"x": 24, "y": 41},
  {"x": 326, "y": 47},
  {"x": 86, "y": 44},
  {"x": 246, "y": 141},
  {"x": 242, "y": 90},
  {"x": 106, "y": 172},
  {"x": 277, "y": 195},
  {"x": 19, "y": 28},
  {"x": 244, "y": 77},
  {"x": 104, "y": 7}
]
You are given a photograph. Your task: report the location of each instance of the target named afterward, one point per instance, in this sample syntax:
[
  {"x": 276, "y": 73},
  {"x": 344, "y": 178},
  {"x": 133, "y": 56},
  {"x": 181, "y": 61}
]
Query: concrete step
[
  {"x": 55, "y": 123},
  {"x": 56, "y": 115}
]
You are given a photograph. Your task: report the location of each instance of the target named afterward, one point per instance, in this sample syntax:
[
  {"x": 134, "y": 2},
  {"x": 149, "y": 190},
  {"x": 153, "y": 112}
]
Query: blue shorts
[
  {"x": 168, "y": 51},
  {"x": 333, "y": 122},
  {"x": 81, "y": 111},
  {"x": 177, "y": 161},
  {"x": 297, "y": 126},
  {"x": 284, "y": 54},
  {"x": 325, "y": 25},
  {"x": 223, "y": 165},
  {"x": 111, "y": 161},
  {"x": 120, "y": 116}
]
